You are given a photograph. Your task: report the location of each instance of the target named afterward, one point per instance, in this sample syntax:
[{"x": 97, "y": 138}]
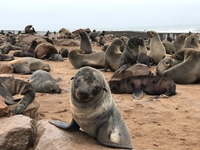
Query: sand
[{"x": 161, "y": 124}]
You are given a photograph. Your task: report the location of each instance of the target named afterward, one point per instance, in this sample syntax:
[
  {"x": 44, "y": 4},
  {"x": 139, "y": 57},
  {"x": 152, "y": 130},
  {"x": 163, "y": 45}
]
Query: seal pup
[
  {"x": 136, "y": 85},
  {"x": 186, "y": 72},
  {"x": 130, "y": 53},
  {"x": 179, "y": 42},
  {"x": 169, "y": 48},
  {"x": 94, "y": 110},
  {"x": 163, "y": 65},
  {"x": 142, "y": 57},
  {"x": 33, "y": 64},
  {"x": 85, "y": 44},
  {"x": 64, "y": 52},
  {"x": 43, "y": 82},
  {"x": 112, "y": 55},
  {"x": 44, "y": 51},
  {"x": 157, "y": 50},
  {"x": 79, "y": 59},
  {"x": 17, "y": 86}
]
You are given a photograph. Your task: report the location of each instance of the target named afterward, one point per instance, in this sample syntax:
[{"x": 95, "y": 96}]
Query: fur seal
[
  {"x": 43, "y": 82},
  {"x": 136, "y": 85},
  {"x": 163, "y": 65},
  {"x": 179, "y": 42},
  {"x": 64, "y": 33},
  {"x": 102, "y": 40},
  {"x": 29, "y": 29},
  {"x": 192, "y": 41},
  {"x": 56, "y": 57},
  {"x": 79, "y": 59},
  {"x": 29, "y": 52},
  {"x": 85, "y": 44},
  {"x": 130, "y": 53},
  {"x": 112, "y": 55},
  {"x": 186, "y": 72},
  {"x": 93, "y": 36},
  {"x": 64, "y": 52},
  {"x": 5, "y": 48},
  {"x": 44, "y": 51},
  {"x": 17, "y": 86},
  {"x": 169, "y": 47},
  {"x": 6, "y": 57},
  {"x": 157, "y": 50},
  {"x": 142, "y": 57},
  {"x": 33, "y": 63},
  {"x": 95, "y": 111}
]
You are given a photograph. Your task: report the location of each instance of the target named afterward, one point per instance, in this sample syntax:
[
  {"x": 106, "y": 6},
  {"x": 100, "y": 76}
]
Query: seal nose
[{"x": 83, "y": 94}]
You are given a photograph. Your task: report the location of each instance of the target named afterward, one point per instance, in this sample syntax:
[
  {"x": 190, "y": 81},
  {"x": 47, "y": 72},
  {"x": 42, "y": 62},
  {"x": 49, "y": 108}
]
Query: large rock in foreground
[
  {"x": 17, "y": 132},
  {"x": 50, "y": 137}
]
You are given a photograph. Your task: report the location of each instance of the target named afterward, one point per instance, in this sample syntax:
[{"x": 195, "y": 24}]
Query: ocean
[{"x": 195, "y": 28}]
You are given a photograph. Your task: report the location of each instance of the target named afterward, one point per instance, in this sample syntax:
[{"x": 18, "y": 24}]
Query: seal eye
[{"x": 96, "y": 90}]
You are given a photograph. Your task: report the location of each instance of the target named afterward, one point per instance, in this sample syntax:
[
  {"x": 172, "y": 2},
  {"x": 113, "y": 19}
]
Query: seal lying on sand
[
  {"x": 130, "y": 53},
  {"x": 188, "y": 71},
  {"x": 28, "y": 65},
  {"x": 94, "y": 110},
  {"x": 43, "y": 82},
  {"x": 10, "y": 86},
  {"x": 136, "y": 85},
  {"x": 79, "y": 59}
]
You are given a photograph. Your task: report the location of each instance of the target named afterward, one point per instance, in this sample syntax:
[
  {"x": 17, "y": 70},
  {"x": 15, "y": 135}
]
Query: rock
[
  {"x": 134, "y": 70},
  {"x": 31, "y": 110},
  {"x": 3, "y": 107},
  {"x": 17, "y": 132},
  {"x": 52, "y": 138}
]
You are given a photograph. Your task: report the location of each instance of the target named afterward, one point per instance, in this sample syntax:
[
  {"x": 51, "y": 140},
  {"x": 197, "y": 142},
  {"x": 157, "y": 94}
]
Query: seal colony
[{"x": 94, "y": 110}]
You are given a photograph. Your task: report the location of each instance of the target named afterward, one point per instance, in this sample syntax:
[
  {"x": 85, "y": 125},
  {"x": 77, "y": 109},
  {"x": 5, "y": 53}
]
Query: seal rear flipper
[
  {"x": 65, "y": 126},
  {"x": 138, "y": 94},
  {"x": 4, "y": 92}
]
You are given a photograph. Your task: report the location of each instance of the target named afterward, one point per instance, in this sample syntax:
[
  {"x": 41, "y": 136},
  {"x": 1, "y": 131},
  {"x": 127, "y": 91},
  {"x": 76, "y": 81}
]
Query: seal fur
[{"x": 94, "y": 110}]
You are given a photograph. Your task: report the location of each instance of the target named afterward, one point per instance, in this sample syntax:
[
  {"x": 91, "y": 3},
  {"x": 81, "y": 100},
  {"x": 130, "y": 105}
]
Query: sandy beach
[{"x": 164, "y": 123}]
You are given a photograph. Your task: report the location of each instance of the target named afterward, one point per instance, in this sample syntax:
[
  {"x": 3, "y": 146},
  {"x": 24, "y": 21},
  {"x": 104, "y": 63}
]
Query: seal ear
[
  {"x": 105, "y": 89},
  {"x": 72, "y": 78}
]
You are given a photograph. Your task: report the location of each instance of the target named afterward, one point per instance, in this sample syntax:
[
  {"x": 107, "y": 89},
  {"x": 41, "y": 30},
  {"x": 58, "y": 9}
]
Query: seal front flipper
[
  {"x": 124, "y": 67},
  {"x": 65, "y": 126},
  {"x": 138, "y": 93},
  {"x": 114, "y": 133}
]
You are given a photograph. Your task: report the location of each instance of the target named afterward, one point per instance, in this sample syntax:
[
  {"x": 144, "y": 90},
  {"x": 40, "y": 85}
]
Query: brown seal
[
  {"x": 179, "y": 42},
  {"x": 43, "y": 82},
  {"x": 79, "y": 59},
  {"x": 130, "y": 53},
  {"x": 44, "y": 51},
  {"x": 85, "y": 44},
  {"x": 29, "y": 29},
  {"x": 157, "y": 50},
  {"x": 136, "y": 85},
  {"x": 94, "y": 110},
  {"x": 112, "y": 55},
  {"x": 186, "y": 72},
  {"x": 26, "y": 65},
  {"x": 169, "y": 47},
  {"x": 11, "y": 86},
  {"x": 163, "y": 65}
]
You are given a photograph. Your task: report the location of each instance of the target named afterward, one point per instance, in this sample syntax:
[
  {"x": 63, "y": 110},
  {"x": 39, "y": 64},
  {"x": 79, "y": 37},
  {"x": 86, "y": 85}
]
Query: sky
[{"x": 98, "y": 14}]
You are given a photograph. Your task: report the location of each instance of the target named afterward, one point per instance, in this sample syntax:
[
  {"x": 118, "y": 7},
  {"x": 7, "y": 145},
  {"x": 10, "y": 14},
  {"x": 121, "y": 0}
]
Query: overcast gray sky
[{"x": 97, "y": 14}]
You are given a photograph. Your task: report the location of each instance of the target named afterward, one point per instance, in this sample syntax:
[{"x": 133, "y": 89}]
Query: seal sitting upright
[{"x": 94, "y": 110}]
